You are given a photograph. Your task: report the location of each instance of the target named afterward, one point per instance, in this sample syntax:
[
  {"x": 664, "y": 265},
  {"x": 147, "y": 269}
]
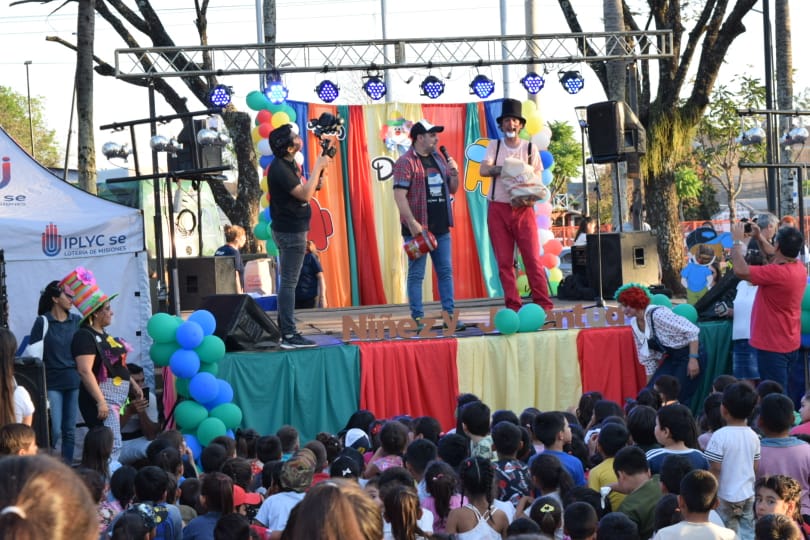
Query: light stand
[
  {"x": 582, "y": 116},
  {"x": 599, "y": 301}
]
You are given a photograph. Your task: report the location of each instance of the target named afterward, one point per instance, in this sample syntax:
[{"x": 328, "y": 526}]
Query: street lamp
[
  {"x": 582, "y": 117},
  {"x": 30, "y": 118}
]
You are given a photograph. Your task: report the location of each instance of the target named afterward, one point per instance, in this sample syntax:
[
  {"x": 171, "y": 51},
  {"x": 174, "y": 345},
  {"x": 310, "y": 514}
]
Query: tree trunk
[
  {"x": 270, "y": 30},
  {"x": 84, "y": 95},
  {"x": 616, "y": 69},
  {"x": 662, "y": 212},
  {"x": 784, "y": 97}
]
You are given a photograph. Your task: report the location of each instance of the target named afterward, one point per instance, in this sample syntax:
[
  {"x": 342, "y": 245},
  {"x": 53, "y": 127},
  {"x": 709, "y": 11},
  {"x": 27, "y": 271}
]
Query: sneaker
[
  {"x": 460, "y": 326},
  {"x": 296, "y": 341},
  {"x": 419, "y": 324}
]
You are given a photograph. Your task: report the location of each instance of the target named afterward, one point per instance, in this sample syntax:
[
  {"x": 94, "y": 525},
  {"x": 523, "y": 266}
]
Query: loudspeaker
[
  {"x": 626, "y": 257},
  {"x": 30, "y": 374},
  {"x": 241, "y": 323},
  {"x": 199, "y": 277},
  {"x": 614, "y": 131},
  {"x": 194, "y": 155}
]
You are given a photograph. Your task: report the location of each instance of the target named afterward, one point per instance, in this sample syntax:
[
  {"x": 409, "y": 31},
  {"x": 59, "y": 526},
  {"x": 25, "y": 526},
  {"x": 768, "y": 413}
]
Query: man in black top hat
[
  {"x": 289, "y": 207},
  {"x": 509, "y": 224}
]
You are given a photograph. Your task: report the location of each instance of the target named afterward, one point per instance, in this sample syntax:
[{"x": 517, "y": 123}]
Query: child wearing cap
[{"x": 296, "y": 478}]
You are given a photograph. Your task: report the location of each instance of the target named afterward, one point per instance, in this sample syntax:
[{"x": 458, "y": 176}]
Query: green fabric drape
[
  {"x": 314, "y": 390},
  {"x": 715, "y": 352}
]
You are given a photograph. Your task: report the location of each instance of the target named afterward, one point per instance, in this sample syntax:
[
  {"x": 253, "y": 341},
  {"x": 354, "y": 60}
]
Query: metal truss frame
[{"x": 371, "y": 55}]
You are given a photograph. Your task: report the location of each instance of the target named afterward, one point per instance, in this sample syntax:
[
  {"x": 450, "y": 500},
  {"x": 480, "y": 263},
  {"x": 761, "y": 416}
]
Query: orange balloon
[{"x": 553, "y": 246}]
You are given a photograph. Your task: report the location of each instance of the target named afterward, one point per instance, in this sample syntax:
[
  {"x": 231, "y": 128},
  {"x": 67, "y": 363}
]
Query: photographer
[
  {"x": 289, "y": 206},
  {"x": 139, "y": 421}
]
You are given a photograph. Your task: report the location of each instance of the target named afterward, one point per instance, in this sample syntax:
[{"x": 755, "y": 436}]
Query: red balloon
[
  {"x": 265, "y": 129},
  {"x": 263, "y": 117},
  {"x": 553, "y": 246},
  {"x": 549, "y": 260}
]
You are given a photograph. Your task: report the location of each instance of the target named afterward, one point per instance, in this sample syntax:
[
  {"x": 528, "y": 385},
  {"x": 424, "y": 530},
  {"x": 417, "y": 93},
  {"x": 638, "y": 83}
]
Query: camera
[{"x": 325, "y": 125}]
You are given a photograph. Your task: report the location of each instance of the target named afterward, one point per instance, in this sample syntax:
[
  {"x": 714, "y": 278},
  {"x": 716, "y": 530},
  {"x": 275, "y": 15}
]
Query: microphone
[{"x": 443, "y": 150}]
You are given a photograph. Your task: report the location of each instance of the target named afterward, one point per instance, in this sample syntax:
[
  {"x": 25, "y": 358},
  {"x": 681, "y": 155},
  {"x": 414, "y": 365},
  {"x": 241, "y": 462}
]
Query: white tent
[{"x": 50, "y": 227}]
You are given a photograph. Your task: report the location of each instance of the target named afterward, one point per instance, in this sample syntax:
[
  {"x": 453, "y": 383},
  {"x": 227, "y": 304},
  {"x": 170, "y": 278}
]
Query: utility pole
[
  {"x": 30, "y": 117},
  {"x": 533, "y": 28}
]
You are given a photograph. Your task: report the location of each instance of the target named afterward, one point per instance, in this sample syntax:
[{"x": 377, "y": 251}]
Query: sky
[{"x": 23, "y": 29}]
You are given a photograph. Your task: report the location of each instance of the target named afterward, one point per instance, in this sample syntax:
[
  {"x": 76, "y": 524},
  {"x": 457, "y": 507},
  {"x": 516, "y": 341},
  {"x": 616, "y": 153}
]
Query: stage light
[
  {"x": 533, "y": 82},
  {"x": 275, "y": 90},
  {"x": 432, "y": 87},
  {"x": 219, "y": 96},
  {"x": 572, "y": 81},
  {"x": 755, "y": 135},
  {"x": 327, "y": 91},
  {"x": 374, "y": 87},
  {"x": 115, "y": 150},
  {"x": 797, "y": 135},
  {"x": 482, "y": 86}
]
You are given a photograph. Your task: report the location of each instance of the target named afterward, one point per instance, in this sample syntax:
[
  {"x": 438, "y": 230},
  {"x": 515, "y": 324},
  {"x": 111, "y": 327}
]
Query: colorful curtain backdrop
[{"x": 355, "y": 222}]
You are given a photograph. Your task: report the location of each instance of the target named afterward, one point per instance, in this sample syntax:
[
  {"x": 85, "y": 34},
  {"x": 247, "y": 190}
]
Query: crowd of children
[{"x": 599, "y": 471}]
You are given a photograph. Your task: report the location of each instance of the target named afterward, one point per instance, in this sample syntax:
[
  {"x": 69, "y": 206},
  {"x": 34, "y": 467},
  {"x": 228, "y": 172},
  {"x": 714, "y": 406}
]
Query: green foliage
[
  {"x": 14, "y": 119},
  {"x": 567, "y": 152}
]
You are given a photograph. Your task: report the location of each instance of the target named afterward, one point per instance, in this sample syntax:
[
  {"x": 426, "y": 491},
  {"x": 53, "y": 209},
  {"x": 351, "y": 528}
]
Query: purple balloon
[
  {"x": 184, "y": 363},
  {"x": 189, "y": 335},
  {"x": 205, "y": 319},
  {"x": 543, "y": 222},
  {"x": 193, "y": 444},
  {"x": 203, "y": 387},
  {"x": 224, "y": 394}
]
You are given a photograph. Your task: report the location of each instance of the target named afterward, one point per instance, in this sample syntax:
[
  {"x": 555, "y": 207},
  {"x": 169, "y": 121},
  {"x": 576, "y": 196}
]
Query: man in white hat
[{"x": 511, "y": 225}]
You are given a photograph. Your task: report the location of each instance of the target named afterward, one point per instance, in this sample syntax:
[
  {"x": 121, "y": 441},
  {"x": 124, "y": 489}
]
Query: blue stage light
[
  {"x": 219, "y": 96},
  {"x": 533, "y": 82},
  {"x": 275, "y": 90},
  {"x": 327, "y": 91},
  {"x": 375, "y": 88},
  {"x": 572, "y": 81},
  {"x": 432, "y": 87},
  {"x": 482, "y": 86}
]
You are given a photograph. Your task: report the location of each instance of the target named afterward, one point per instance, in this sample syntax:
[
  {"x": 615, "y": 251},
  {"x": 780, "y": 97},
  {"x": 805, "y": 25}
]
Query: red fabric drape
[
  {"x": 328, "y": 224},
  {"x": 608, "y": 363},
  {"x": 418, "y": 377},
  {"x": 468, "y": 280},
  {"x": 369, "y": 275}
]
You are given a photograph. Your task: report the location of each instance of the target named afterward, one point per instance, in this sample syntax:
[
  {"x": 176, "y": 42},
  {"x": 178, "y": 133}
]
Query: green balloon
[
  {"x": 523, "y": 285},
  {"x": 687, "y": 311},
  {"x": 212, "y": 368},
  {"x": 507, "y": 321},
  {"x": 661, "y": 300},
  {"x": 805, "y": 322},
  {"x": 181, "y": 387},
  {"x": 531, "y": 317},
  {"x": 189, "y": 414},
  {"x": 209, "y": 429},
  {"x": 229, "y": 413},
  {"x": 211, "y": 350},
  {"x": 162, "y": 327},
  {"x": 271, "y": 247},
  {"x": 160, "y": 353},
  {"x": 260, "y": 230},
  {"x": 274, "y": 107},
  {"x": 291, "y": 114},
  {"x": 806, "y": 299},
  {"x": 256, "y": 100}
]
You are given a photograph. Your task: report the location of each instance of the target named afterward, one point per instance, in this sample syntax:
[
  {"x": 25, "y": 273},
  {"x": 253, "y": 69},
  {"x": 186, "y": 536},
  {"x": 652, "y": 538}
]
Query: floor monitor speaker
[
  {"x": 626, "y": 257},
  {"x": 30, "y": 374},
  {"x": 241, "y": 322}
]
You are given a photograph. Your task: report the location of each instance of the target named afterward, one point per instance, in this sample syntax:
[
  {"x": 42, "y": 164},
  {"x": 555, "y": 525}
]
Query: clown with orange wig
[{"x": 667, "y": 343}]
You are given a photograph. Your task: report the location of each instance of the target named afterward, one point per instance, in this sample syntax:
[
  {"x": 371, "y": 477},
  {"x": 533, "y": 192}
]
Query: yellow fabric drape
[{"x": 538, "y": 369}]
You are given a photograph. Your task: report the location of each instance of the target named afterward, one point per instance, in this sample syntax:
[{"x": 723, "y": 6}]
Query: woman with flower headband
[
  {"x": 667, "y": 343},
  {"x": 60, "y": 367},
  {"x": 100, "y": 358}
]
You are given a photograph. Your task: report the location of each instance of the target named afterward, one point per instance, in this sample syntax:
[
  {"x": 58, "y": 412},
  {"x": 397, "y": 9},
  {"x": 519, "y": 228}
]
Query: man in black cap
[
  {"x": 510, "y": 225},
  {"x": 423, "y": 184},
  {"x": 289, "y": 207}
]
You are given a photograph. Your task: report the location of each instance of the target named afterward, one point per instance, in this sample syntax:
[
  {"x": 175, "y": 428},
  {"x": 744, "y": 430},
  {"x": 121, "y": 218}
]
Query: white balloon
[
  {"x": 544, "y": 235},
  {"x": 299, "y": 158},
  {"x": 541, "y": 140},
  {"x": 264, "y": 147},
  {"x": 294, "y": 127}
]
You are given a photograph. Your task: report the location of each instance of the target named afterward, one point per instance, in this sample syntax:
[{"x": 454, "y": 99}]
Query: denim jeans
[
  {"x": 443, "y": 265},
  {"x": 676, "y": 363},
  {"x": 775, "y": 366},
  {"x": 739, "y": 517},
  {"x": 64, "y": 408},
  {"x": 291, "y": 250}
]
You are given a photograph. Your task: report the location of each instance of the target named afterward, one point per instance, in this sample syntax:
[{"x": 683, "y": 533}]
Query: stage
[{"x": 318, "y": 389}]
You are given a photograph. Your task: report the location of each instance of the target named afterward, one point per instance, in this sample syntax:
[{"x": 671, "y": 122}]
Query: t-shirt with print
[
  {"x": 513, "y": 480},
  {"x": 436, "y": 196}
]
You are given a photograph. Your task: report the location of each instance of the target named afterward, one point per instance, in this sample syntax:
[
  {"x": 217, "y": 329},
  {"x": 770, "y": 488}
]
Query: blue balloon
[
  {"x": 193, "y": 444},
  {"x": 266, "y": 215},
  {"x": 224, "y": 394},
  {"x": 184, "y": 363},
  {"x": 203, "y": 387},
  {"x": 547, "y": 159},
  {"x": 547, "y": 176},
  {"x": 189, "y": 335},
  {"x": 231, "y": 434},
  {"x": 805, "y": 341},
  {"x": 205, "y": 319},
  {"x": 265, "y": 161}
]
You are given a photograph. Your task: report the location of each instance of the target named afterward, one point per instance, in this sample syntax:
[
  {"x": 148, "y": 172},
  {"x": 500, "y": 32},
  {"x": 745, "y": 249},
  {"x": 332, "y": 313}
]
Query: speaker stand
[{"x": 599, "y": 301}]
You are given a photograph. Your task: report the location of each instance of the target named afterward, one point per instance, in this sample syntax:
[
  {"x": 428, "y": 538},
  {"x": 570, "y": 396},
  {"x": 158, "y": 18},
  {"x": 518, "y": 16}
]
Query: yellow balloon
[
  {"x": 529, "y": 107},
  {"x": 555, "y": 275},
  {"x": 533, "y": 124},
  {"x": 254, "y": 133},
  {"x": 279, "y": 119},
  {"x": 263, "y": 202},
  {"x": 263, "y": 185}
]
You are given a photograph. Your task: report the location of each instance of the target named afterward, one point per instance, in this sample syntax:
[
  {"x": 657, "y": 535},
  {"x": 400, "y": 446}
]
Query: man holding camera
[
  {"x": 139, "y": 421},
  {"x": 423, "y": 184},
  {"x": 290, "y": 211}
]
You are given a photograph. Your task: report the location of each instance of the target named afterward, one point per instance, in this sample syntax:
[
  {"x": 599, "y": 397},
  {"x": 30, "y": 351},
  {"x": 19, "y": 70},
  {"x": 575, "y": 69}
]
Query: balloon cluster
[
  {"x": 269, "y": 117},
  {"x": 806, "y": 316},
  {"x": 687, "y": 311},
  {"x": 530, "y": 318},
  {"x": 192, "y": 352}
]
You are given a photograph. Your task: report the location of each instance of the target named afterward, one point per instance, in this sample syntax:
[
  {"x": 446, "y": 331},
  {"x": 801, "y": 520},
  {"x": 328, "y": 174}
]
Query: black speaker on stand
[
  {"x": 241, "y": 322},
  {"x": 30, "y": 374},
  {"x": 618, "y": 258}
]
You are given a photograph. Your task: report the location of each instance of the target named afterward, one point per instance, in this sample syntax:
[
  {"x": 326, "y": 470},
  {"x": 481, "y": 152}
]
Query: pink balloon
[
  {"x": 543, "y": 222},
  {"x": 543, "y": 208},
  {"x": 553, "y": 246}
]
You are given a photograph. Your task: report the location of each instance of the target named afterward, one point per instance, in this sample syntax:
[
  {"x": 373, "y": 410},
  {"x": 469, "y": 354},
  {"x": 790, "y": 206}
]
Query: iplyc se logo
[
  {"x": 51, "y": 240},
  {"x": 5, "y": 174}
]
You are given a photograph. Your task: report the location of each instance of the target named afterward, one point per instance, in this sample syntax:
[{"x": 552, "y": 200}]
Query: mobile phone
[
  {"x": 145, "y": 393},
  {"x": 747, "y": 228}
]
